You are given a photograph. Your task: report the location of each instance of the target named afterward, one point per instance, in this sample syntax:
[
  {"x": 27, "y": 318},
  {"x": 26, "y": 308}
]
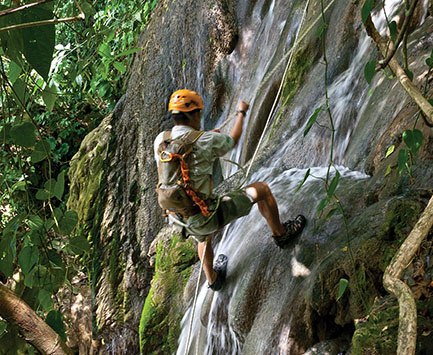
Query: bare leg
[
  {"x": 261, "y": 193},
  {"x": 208, "y": 259}
]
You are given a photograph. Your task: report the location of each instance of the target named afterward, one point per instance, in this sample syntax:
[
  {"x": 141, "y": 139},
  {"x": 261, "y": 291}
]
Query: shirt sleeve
[
  {"x": 156, "y": 144},
  {"x": 221, "y": 143}
]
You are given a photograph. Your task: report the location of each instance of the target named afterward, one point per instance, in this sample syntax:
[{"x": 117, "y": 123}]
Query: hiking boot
[
  {"x": 293, "y": 229},
  {"x": 220, "y": 267}
]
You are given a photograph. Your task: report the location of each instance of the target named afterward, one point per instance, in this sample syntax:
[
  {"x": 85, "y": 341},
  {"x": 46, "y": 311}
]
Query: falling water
[{"x": 213, "y": 331}]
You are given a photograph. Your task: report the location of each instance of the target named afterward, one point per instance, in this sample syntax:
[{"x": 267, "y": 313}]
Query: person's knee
[{"x": 258, "y": 191}]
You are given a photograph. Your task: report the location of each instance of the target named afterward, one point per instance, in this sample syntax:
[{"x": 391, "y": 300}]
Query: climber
[{"x": 210, "y": 213}]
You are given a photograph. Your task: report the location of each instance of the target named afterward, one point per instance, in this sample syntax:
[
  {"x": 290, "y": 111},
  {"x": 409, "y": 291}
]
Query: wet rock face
[
  {"x": 225, "y": 50},
  {"x": 114, "y": 174}
]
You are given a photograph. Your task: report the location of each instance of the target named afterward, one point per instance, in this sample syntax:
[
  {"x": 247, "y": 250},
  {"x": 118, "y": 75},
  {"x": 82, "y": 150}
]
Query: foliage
[
  {"x": 57, "y": 82},
  {"x": 412, "y": 138}
]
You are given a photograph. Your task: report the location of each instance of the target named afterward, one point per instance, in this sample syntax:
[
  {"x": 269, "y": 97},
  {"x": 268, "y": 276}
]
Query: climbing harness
[
  {"x": 174, "y": 187},
  {"x": 290, "y": 55}
]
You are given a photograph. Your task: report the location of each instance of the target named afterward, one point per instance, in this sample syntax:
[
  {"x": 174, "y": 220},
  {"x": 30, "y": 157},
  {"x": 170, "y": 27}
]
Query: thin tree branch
[
  {"x": 398, "y": 71},
  {"x": 392, "y": 283},
  {"x": 80, "y": 17},
  {"x": 16, "y": 9},
  {"x": 383, "y": 63}
]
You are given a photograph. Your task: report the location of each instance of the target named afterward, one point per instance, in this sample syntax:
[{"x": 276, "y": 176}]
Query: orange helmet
[{"x": 185, "y": 101}]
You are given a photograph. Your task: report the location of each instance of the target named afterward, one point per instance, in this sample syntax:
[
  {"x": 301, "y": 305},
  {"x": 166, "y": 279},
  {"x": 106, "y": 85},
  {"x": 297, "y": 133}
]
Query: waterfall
[{"x": 214, "y": 330}]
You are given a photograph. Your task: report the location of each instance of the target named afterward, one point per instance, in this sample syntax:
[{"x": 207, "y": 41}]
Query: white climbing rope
[
  {"x": 277, "y": 97},
  {"x": 283, "y": 59},
  {"x": 195, "y": 300},
  {"x": 289, "y": 63}
]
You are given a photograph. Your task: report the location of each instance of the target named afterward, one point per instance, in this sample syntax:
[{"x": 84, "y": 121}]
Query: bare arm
[{"x": 236, "y": 131}]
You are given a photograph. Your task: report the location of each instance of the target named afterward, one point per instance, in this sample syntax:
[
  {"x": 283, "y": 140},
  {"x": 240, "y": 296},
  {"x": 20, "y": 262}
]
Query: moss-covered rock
[{"x": 162, "y": 311}]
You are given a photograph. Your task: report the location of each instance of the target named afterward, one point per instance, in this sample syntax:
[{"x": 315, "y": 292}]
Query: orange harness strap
[{"x": 189, "y": 191}]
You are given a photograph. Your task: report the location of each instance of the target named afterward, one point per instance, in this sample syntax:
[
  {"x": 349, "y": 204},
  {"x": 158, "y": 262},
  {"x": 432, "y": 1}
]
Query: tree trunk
[
  {"x": 30, "y": 325},
  {"x": 393, "y": 284}
]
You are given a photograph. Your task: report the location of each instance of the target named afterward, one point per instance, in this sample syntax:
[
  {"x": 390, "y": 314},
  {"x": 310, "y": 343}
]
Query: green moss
[
  {"x": 162, "y": 313},
  {"x": 400, "y": 220},
  {"x": 378, "y": 333},
  {"x": 301, "y": 64}
]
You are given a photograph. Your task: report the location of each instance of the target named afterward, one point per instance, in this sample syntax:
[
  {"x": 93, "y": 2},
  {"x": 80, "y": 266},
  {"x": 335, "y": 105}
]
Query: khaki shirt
[{"x": 208, "y": 147}]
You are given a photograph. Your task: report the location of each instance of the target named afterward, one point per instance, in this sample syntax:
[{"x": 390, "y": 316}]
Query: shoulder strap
[
  {"x": 193, "y": 136},
  {"x": 166, "y": 136}
]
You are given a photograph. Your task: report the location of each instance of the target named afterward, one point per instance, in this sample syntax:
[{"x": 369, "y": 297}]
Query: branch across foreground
[
  {"x": 392, "y": 283},
  {"x": 30, "y": 325},
  {"x": 398, "y": 71}
]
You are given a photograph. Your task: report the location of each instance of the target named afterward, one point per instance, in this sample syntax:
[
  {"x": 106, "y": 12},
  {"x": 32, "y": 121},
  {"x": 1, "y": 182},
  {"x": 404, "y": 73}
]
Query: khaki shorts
[{"x": 231, "y": 206}]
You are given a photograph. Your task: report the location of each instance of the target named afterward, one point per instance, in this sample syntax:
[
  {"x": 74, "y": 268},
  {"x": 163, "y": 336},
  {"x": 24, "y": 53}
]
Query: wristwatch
[{"x": 243, "y": 112}]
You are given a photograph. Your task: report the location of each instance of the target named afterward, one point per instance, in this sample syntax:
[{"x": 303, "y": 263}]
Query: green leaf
[
  {"x": 303, "y": 181},
  {"x": 39, "y": 42},
  {"x": 312, "y": 120},
  {"x": 49, "y": 185},
  {"x": 67, "y": 222},
  {"x": 393, "y": 30},
  {"x": 79, "y": 244},
  {"x": 120, "y": 66},
  {"x": 342, "y": 287},
  {"x": 370, "y": 71},
  {"x": 49, "y": 95},
  {"x": 7, "y": 264},
  {"x": 45, "y": 300},
  {"x": 42, "y": 194},
  {"x": 88, "y": 10},
  {"x": 39, "y": 277},
  {"x": 40, "y": 151},
  {"x": 59, "y": 187},
  {"x": 429, "y": 62},
  {"x": 322, "y": 205},
  {"x": 104, "y": 50},
  {"x": 334, "y": 183},
  {"x": 28, "y": 258},
  {"x": 12, "y": 40},
  {"x": 49, "y": 223},
  {"x": 409, "y": 74},
  {"x": 48, "y": 190},
  {"x": 402, "y": 160},
  {"x": 14, "y": 71},
  {"x": 23, "y": 134},
  {"x": 34, "y": 222},
  {"x": 390, "y": 151},
  {"x": 366, "y": 9},
  {"x": 19, "y": 92},
  {"x": 55, "y": 320},
  {"x": 430, "y": 101},
  {"x": 321, "y": 29},
  {"x": 3, "y": 325},
  {"x": 388, "y": 170},
  {"x": 129, "y": 51},
  {"x": 331, "y": 213},
  {"x": 413, "y": 140},
  {"x": 55, "y": 259},
  {"x": 5, "y": 133},
  {"x": 13, "y": 224}
]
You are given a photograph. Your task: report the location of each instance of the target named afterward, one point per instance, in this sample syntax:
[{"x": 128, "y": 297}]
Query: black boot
[
  {"x": 220, "y": 267},
  {"x": 293, "y": 229}
]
